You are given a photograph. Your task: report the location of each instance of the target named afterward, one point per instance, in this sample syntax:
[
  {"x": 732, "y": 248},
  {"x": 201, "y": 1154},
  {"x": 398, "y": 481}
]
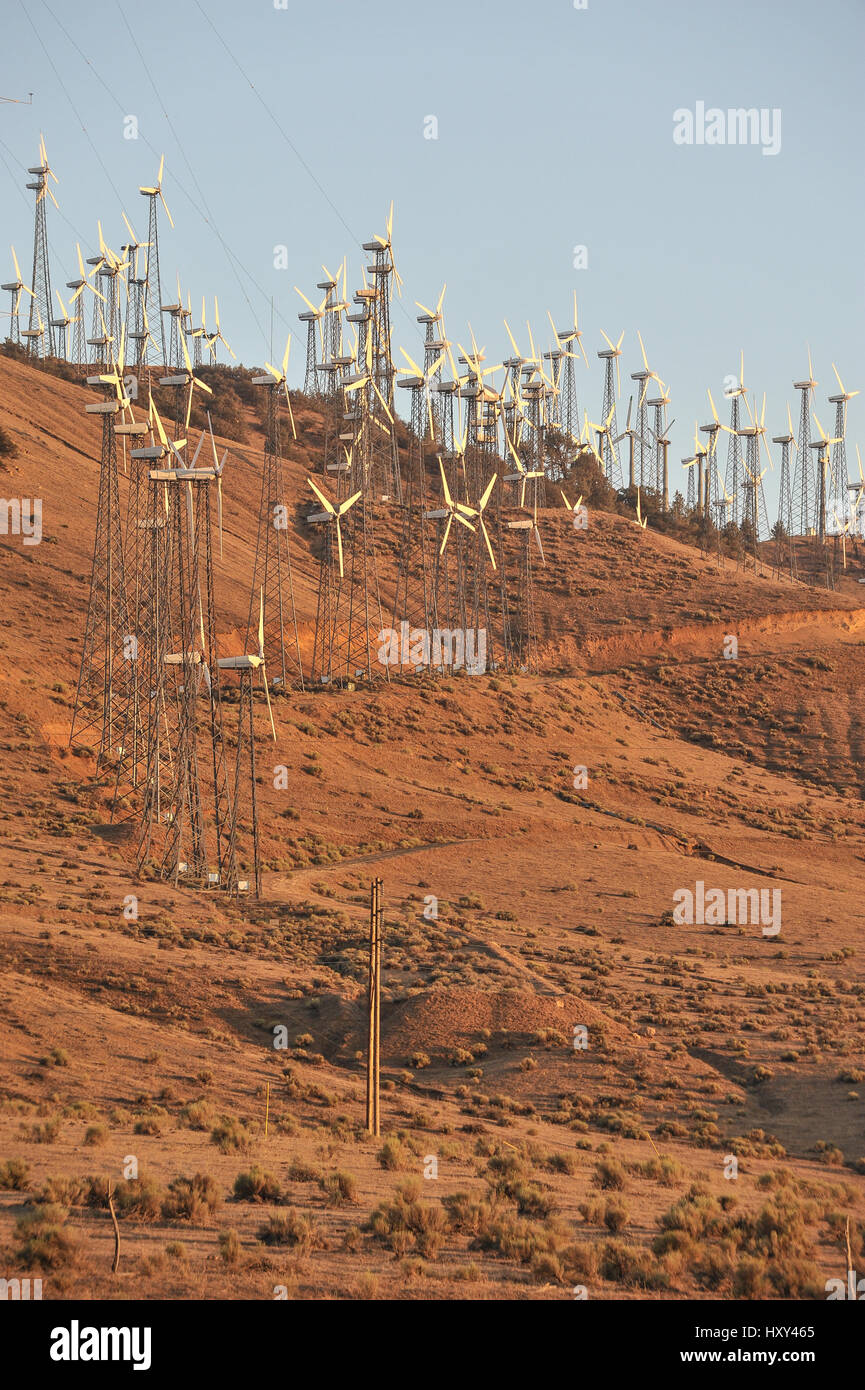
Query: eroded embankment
[{"x": 595, "y": 653}]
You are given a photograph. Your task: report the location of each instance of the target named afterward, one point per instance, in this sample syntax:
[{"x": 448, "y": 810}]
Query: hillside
[{"x": 154, "y": 1037}]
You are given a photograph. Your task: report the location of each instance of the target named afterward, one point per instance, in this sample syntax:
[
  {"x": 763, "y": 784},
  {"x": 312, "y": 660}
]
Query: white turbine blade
[{"x": 269, "y": 706}]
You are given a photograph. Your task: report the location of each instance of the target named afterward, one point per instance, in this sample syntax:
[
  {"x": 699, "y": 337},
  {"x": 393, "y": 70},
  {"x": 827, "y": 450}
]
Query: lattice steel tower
[
  {"x": 733, "y": 478},
  {"x": 838, "y": 468},
  {"x": 153, "y": 289},
  {"x": 106, "y": 673},
  {"x": 612, "y": 467},
  {"x": 40, "y": 333},
  {"x": 272, "y": 582},
  {"x": 785, "y": 501},
  {"x": 805, "y": 484}
]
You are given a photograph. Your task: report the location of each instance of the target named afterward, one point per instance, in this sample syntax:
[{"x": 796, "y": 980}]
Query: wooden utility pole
[
  {"x": 373, "y": 1065},
  {"x": 115, "y": 1264}
]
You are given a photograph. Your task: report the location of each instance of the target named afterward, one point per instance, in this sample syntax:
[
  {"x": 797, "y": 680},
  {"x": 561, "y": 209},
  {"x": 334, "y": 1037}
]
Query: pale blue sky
[{"x": 555, "y": 129}]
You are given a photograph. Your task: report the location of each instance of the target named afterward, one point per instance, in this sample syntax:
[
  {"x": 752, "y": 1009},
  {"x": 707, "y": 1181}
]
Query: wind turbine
[
  {"x": 279, "y": 381},
  {"x": 253, "y": 662},
  {"x": 839, "y": 452},
  {"x": 16, "y": 288},
  {"x": 610, "y": 355},
  {"x": 61, "y": 324},
  {"x": 40, "y": 299},
  {"x": 805, "y": 491},
  {"x": 755, "y": 433},
  {"x": 312, "y": 316},
  {"x": 713, "y": 429},
  {"x": 188, "y": 379},
  {"x": 334, "y": 515},
  {"x": 821, "y": 448},
  {"x": 631, "y": 433},
  {"x": 418, "y": 378},
  {"x": 644, "y": 376},
  {"x": 454, "y": 511},
  {"x": 153, "y": 288},
  {"x": 248, "y": 666}
]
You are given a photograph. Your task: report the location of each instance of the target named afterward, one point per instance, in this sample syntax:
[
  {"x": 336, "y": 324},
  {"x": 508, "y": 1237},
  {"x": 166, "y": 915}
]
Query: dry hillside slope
[{"x": 520, "y": 907}]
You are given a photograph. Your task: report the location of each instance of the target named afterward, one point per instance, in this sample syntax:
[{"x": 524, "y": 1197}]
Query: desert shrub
[
  {"x": 758, "y": 1255},
  {"x": 62, "y": 1191},
  {"x": 257, "y": 1186},
  {"x": 406, "y": 1223},
  {"x": 515, "y": 1237},
  {"x": 460, "y": 1057},
  {"x": 14, "y": 1175},
  {"x": 289, "y": 1229},
  {"x": 829, "y": 1153},
  {"x": 547, "y": 1268},
  {"x": 303, "y": 1172},
  {"x": 533, "y": 1201},
  {"x": 797, "y": 1278},
  {"x": 45, "y": 1133},
  {"x": 610, "y": 1175},
  {"x": 231, "y": 1135},
  {"x": 506, "y": 1172},
  {"x": 712, "y": 1266},
  {"x": 55, "y": 1058},
  {"x": 580, "y": 1261},
  {"x": 560, "y": 1163},
  {"x": 340, "y": 1189},
  {"x": 43, "y": 1242},
  {"x": 751, "y": 1278},
  {"x": 137, "y": 1199},
  {"x": 616, "y": 1217},
  {"x": 665, "y": 1171},
  {"x": 468, "y": 1214},
  {"x": 632, "y": 1266},
  {"x": 592, "y": 1212},
  {"x": 229, "y": 1247},
  {"x": 352, "y": 1239},
  {"x": 392, "y": 1155},
  {"x": 148, "y": 1124},
  {"x": 8, "y": 447},
  {"x": 197, "y": 1114},
  {"x": 96, "y": 1135},
  {"x": 192, "y": 1199}
]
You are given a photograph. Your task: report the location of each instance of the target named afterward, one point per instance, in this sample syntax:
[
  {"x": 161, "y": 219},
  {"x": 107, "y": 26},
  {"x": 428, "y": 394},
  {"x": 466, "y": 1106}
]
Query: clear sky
[{"x": 296, "y": 126}]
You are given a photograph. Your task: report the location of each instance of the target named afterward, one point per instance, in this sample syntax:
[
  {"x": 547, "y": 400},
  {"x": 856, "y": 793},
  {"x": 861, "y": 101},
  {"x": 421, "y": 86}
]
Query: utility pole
[{"x": 373, "y": 1065}]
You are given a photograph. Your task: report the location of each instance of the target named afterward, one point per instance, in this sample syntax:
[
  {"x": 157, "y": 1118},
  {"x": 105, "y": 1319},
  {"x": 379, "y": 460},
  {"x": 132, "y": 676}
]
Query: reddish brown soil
[{"x": 554, "y": 911}]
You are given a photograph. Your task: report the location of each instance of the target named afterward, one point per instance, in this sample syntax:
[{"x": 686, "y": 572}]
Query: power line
[
  {"x": 69, "y": 99},
  {"x": 193, "y": 202},
  {"x": 291, "y": 145},
  {"x": 189, "y": 167},
  {"x": 55, "y": 253}
]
